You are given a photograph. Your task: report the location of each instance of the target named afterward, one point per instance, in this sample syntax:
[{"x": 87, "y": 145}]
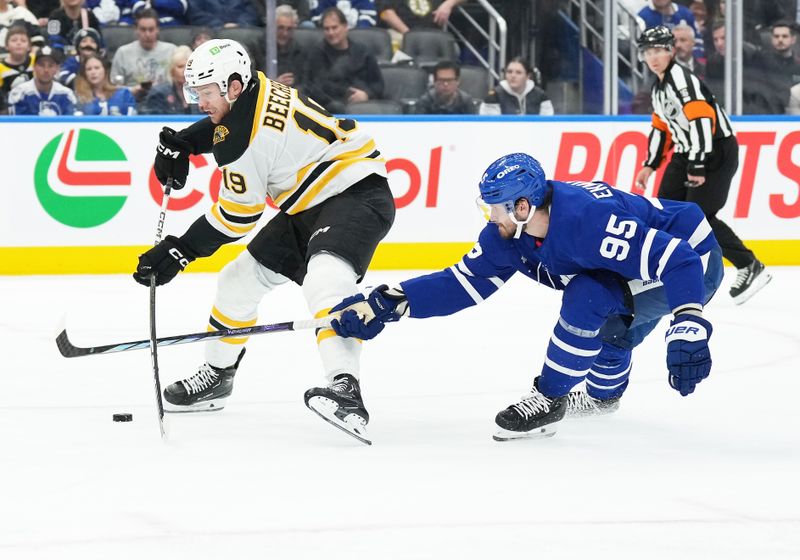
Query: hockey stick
[
  {"x": 153, "y": 342},
  {"x": 69, "y": 350}
]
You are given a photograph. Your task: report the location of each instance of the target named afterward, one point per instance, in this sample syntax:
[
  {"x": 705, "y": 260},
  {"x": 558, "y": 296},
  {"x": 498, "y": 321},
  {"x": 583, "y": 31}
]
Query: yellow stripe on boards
[{"x": 388, "y": 256}]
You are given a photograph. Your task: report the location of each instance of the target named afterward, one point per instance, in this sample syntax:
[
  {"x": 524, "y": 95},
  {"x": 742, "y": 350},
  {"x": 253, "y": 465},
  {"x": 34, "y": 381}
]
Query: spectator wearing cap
[
  {"x": 66, "y": 21},
  {"x": 340, "y": 71},
  {"x": 170, "y": 12},
  {"x": 224, "y": 13},
  {"x": 42, "y": 95},
  {"x": 17, "y": 66},
  {"x": 11, "y": 15},
  {"x": 168, "y": 98},
  {"x": 87, "y": 41},
  {"x": 359, "y": 13},
  {"x": 445, "y": 98},
  {"x": 144, "y": 62},
  {"x": 95, "y": 93}
]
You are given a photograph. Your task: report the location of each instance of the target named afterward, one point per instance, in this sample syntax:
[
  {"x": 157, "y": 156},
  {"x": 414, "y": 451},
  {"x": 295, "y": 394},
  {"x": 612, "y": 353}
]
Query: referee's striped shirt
[{"x": 685, "y": 114}]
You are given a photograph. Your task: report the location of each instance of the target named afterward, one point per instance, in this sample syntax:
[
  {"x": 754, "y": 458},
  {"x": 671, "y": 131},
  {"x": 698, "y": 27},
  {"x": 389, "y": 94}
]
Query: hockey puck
[{"x": 124, "y": 417}]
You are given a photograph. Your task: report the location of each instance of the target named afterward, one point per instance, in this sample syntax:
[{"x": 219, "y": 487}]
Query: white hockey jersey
[{"x": 277, "y": 143}]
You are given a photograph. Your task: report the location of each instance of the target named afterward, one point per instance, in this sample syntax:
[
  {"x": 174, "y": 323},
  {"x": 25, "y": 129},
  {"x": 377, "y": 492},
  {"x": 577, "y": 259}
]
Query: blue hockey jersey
[{"x": 593, "y": 227}]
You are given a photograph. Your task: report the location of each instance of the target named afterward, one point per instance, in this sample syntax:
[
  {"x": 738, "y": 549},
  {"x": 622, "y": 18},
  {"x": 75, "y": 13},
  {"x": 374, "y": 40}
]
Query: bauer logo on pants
[{"x": 82, "y": 178}]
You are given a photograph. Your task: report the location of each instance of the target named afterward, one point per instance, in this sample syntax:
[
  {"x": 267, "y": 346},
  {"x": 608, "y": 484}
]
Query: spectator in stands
[
  {"x": 41, "y": 9},
  {"x": 17, "y": 66},
  {"x": 700, "y": 12},
  {"x": 223, "y": 13},
  {"x": 106, "y": 11},
  {"x": 291, "y": 57},
  {"x": 445, "y": 98},
  {"x": 684, "y": 50},
  {"x": 359, "y": 13},
  {"x": 301, "y": 7},
  {"x": 793, "y": 108},
  {"x": 404, "y": 15},
  {"x": 201, "y": 36},
  {"x": 784, "y": 65},
  {"x": 761, "y": 93},
  {"x": 143, "y": 63},
  {"x": 170, "y": 12},
  {"x": 65, "y": 22},
  {"x": 665, "y": 12},
  {"x": 517, "y": 94},
  {"x": 95, "y": 93},
  {"x": 87, "y": 41},
  {"x": 670, "y": 14},
  {"x": 168, "y": 98},
  {"x": 42, "y": 95},
  {"x": 11, "y": 15},
  {"x": 340, "y": 71}
]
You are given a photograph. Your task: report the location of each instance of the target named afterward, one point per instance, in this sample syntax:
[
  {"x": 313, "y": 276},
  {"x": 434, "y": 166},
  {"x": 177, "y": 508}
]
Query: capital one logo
[{"x": 82, "y": 178}]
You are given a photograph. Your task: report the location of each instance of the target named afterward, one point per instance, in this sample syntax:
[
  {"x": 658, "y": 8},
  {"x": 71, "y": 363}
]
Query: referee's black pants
[{"x": 711, "y": 195}]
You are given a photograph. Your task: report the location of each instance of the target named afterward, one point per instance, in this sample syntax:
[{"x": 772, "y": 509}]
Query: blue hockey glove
[
  {"x": 365, "y": 317},
  {"x": 688, "y": 357}
]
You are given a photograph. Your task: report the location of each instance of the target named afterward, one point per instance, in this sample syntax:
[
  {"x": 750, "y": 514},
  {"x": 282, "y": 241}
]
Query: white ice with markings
[{"x": 714, "y": 476}]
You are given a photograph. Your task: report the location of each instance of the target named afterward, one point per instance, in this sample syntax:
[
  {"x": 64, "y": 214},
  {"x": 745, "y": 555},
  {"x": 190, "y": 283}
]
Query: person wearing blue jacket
[
  {"x": 96, "y": 94},
  {"x": 42, "y": 95},
  {"x": 622, "y": 261},
  {"x": 170, "y": 12},
  {"x": 359, "y": 13},
  {"x": 227, "y": 13}
]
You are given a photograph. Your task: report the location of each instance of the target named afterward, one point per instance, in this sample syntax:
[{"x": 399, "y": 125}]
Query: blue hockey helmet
[{"x": 510, "y": 178}]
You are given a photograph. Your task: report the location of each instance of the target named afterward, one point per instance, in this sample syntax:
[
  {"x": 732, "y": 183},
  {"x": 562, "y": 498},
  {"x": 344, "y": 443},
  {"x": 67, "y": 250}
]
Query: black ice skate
[
  {"x": 535, "y": 416},
  {"x": 580, "y": 405},
  {"x": 340, "y": 404},
  {"x": 205, "y": 391},
  {"x": 748, "y": 281}
]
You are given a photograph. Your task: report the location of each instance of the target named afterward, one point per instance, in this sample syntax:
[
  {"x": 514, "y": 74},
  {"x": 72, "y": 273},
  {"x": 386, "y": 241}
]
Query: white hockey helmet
[{"x": 214, "y": 62}]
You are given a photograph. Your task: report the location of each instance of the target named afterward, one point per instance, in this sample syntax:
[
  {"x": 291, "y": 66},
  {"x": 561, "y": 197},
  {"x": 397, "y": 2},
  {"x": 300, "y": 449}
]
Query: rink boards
[{"x": 81, "y": 196}]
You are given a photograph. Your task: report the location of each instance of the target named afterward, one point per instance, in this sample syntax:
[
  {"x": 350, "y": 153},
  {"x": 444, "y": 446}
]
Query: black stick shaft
[
  {"x": 153, "y": 337},
  {"x": 69, "y": 350}
]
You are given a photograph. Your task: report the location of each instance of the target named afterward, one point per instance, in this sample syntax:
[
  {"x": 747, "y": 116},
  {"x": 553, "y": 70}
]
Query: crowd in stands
[
  {"x": 770, "y": 57},
  {"x": 65, "y": 57}
]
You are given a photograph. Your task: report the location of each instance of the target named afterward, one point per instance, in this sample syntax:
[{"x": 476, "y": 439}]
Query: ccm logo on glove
[{"x": 166, "y": 152}]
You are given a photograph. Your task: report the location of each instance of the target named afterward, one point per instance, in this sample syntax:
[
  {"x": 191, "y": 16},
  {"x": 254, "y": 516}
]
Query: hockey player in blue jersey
[{"x": 623, "y": 261}]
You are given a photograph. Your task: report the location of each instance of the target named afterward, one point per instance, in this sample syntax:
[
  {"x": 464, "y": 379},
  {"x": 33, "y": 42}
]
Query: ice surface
[{"x": 715, "y": 475}]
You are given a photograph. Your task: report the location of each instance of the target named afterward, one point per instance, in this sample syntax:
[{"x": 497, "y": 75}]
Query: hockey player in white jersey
[
  {"x": 328, "y": 179},
  {"x": 622, "y": 261}
]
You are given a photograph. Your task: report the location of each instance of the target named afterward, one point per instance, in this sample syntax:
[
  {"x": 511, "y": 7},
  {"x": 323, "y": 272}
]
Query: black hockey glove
[
  {"x": 165, "y": 261},
  {"x": 688, "y": 356},
  {"x": 172, "y": 158},
  {"x": 365, "y": 317}
]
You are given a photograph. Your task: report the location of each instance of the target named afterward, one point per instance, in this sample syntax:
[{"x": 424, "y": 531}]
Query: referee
[{"x": 706, "y": 156}]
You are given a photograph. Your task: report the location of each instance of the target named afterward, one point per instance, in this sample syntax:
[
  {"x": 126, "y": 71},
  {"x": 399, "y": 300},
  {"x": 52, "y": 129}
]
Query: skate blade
[
  {"x": 760, "y": 282},
  {"x": 326, "y": 409},
  {"x": 537, "y": 433},
  {"x": 206, "y": 406}
]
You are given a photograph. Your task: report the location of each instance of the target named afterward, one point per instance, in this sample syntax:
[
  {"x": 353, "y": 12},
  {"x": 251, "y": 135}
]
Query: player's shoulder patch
[{"x": 220, "y": 133}]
